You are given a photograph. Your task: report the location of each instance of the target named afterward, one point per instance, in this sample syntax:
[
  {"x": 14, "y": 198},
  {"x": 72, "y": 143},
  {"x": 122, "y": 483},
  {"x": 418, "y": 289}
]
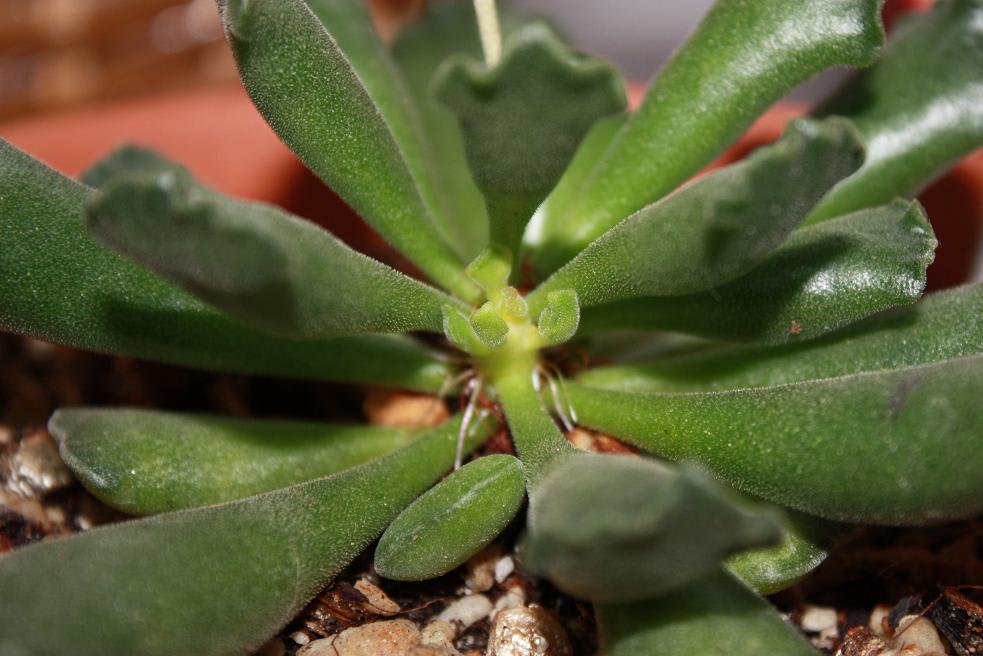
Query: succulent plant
[{"x": 754, "y": 333}]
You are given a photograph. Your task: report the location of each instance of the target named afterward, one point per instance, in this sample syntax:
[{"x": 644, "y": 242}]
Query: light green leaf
[
  {"x": 944, "y": 325},
  {"x": 145, "y": 462},
  {"x": 621, "y": 528},
  {"x": 823, "y": 277},
  {"x": 559, "y": 320},
  {"x": 213, "y": 581},
  {"x": 61, "y": 286},
  {"x": 255, "y": 262},
  {"x": 743, "y": 57},
  {"x": 523, "y": 120},
  {"x": 718, "y": 615},
  {"x": 920, "y": 107},
  {"x": 716, "y": 228},
  {"x": 446, "y": 28},
  {"x": 341, "y": 113},
  {"x": 452, "y": 521},
  {"x": 887, "y": 447},
  {"x": 803, "y": 548}
]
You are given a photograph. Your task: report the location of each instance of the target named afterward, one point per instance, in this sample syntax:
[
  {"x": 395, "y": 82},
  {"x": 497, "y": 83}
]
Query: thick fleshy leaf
[
  {"x": 256, "y": 263},
  {"x": 920, "y": 107},
  {"x": 446, "y": 28},
  {"x": 454, "y": 520},
  {"x": 523, "y": 120},
  {"x": 887, "y": 447},
  {"x": 730, "y": 70},
  {"x": 215, "y": 581},
  {"x": 621, "y": 528},
  {"x": 716, "y": 228},
  {"x": 944, "y": 325},
  {"x": 61, "y": 286},
  {"x": 820, "y": 279},
  {"x": 145, "y": 462},
  {"x": 803, "y": 548},
  {"x": 718, "y": 615},
  {"x": 348, "y": 123}
]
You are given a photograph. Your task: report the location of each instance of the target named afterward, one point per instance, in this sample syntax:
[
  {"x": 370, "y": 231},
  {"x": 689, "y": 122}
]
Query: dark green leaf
[
  {"x": 621, "y": 528},
  {"x": 942, "y": 326},
  {"x": 821, "y": 279},
  {"x": 255, "y": 262},
  {"x": 127, "y": 159},
  {"x": 803, "y": 548},
  {"x": 339, "y": 111},
  {"x": 742, "y": 58},
  {"x": 447, "y": 28},
  {"x": 716, "y": 228},
  {"x": 523, "y": 120},
  {"x": 144, "y": 462},
  {"x": 920, "y": 107},
  {"x": 61, "y": 286},
  {"x": 213, "y": 581},
  {"x": 895, "y": 447},
  {"x": 453, "y": 521},
  {"x": 718, "y": 615}
]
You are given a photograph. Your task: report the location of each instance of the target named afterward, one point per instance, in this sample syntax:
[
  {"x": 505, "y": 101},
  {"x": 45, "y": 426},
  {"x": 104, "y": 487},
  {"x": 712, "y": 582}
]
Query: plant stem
[{"x": 491, "y": 33}]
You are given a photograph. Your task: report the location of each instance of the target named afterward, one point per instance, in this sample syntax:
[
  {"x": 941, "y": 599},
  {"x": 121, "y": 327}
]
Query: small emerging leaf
[
  {"x": 716, "y": 228},
  {"x": 490, "y": 328},
  {"x": 718, "y": 615},
  {"x": 523, "y": 120},
  {"x": 920, "y": 107},
  {"x": 460, "y": 332},
  {"x": 560, "y": 319},
  {"x": 453, "y": 521},
  {"x": 145, "y": 462},
  {"x": 823, "y": 278},
  {"x": 622, "y": 528}
]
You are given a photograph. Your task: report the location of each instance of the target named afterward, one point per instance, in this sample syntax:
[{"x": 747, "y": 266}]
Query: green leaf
[
  {"x": 213, "y": 581},
  {"x": 920, "y": 107},
  {"x": 823, "y": 277},
  {"x": 339, "y": 111},
  {"x": 743, "y": 57},
  {"x": 716, "y": 228},
  {"x": 257, "y": 263},
  {"x": 446, "y": 28},
  {"x": 621, "y": 528},
  {"x": 127, "y": 159},
  {"x": 145, "y": 462},
  {"x": 453, "y": 521},
  {"x": 944, "y": 325},
  {"x": 559, "y": 320},
  {"x": 718, "y": 615},
  {"x": 61, "y": 286},
  {"x": 523, "y": 120},
  {"x": 803, "y": 548},
  {"x": 885, "y": 447}
]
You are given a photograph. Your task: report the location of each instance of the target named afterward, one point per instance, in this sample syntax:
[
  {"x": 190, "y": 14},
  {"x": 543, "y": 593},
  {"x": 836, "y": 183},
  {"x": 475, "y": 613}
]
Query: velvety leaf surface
[
  {"x": 820, "y": 279},
  {"x": 257, "y": 263},
  {"x": 944, "y": 325},
  {"x": 144, "y": 462},
  {"x": 920, "y": 107},
  {"x": 622, "y": 528},
  {"x": 743, "y": 57},
  {"x": 215, "y": 581},
  {"x": 325, "y": 111},
  {"x": 716, "y": 228},
  {"x": 803, "y": 548},
  {"x": 452, "y": 521},
  {"x": 61, "y": 286},
  {"x": 523, "y": 120},
  {"x": 889, "y": 447},
  {"x": 446, "y": 28},
  {"x": 718, "y": 615}
]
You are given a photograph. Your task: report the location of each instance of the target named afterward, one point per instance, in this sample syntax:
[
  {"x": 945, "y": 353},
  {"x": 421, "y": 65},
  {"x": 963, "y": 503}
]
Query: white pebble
[
  {"x": 467, "y": 610},
  {"x": 504, "y": 568}
]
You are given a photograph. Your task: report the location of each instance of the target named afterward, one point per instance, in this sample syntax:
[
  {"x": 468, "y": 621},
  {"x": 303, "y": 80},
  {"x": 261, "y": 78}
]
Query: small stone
[
  {"x": 513, "y": 598},
  {"x": 438, "y": 633},
  {"x": 587, "y": 440},
  {"x": 504, "y": 568},
  {"x": 527, "y": 631},
  {"x": 403, "y": 409},
  {"x": 388, "y": 638},
  {"x": 917, "y": 636},
  {"x": 35, "y": 468},
  {"x": 274, "y": 647},
  {"x": 479, "y": 574},
  {"x": 859, "y": 641},
  {"x": 879, "y": 624},
  {"x": 822, "y": 621},
  {"x": 300, "y": 638},
  {"x": 378, "y": 601},
  {"x": 467, "y": 610}
]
